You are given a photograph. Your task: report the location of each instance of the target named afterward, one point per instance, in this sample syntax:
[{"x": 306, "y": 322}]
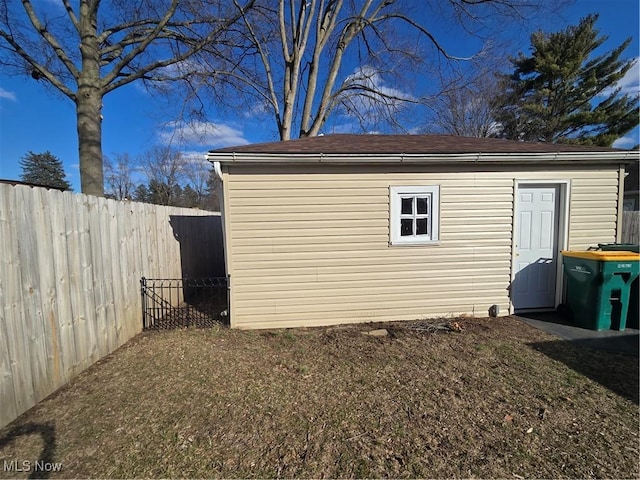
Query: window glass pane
[
  {"x": 423, "y": 204},
  {"x": 421, "y": 226},
  {"x": 407, "y": 206},
  {"x": 406, "y": 227}
]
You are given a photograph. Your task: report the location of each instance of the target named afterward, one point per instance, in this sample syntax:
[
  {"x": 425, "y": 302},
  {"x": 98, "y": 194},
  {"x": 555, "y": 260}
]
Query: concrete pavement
[{"x": 626, "y": 341}]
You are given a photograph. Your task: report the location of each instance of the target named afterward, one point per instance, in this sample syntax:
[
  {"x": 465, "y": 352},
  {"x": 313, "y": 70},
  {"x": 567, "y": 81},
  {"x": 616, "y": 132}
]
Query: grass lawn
[{"x": 498, "y": 399}]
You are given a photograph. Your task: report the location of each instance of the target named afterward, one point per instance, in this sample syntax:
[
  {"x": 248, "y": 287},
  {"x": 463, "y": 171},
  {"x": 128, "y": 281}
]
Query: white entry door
[{"x": 536, "y": 247}]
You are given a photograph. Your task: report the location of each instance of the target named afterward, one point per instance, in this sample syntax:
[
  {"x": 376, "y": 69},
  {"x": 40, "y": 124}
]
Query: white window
[{"x": 414, "y": 215}]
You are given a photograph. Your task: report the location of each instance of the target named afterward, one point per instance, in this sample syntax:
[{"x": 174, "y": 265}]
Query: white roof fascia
[{"x": 420, "y": 158}]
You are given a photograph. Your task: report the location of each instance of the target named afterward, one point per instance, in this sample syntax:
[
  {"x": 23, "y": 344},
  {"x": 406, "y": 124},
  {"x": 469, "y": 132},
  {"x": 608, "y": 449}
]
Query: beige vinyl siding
[{"x": 310, "y": 245}]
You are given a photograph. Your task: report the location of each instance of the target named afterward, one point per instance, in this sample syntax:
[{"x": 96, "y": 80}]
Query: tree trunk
[
  {"x": 89, "y": 103},
  {"x": 88, "y": 107}
]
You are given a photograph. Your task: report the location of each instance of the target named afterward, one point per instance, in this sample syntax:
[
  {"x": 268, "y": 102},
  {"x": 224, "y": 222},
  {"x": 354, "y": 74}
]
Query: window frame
[{"x": 396, "y": 194}]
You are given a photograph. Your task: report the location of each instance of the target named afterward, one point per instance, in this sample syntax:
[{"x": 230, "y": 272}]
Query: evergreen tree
[
  {"x": 159, "y": 193},
  {"x": 190, "y": 197},
  {"x": 175, "y": 196},
  {"x": 211, "y": 200},
  {"x": 141, "y": 194},
  {"x": 43, "y": 169},
  {"x": 562, "y": 93}
]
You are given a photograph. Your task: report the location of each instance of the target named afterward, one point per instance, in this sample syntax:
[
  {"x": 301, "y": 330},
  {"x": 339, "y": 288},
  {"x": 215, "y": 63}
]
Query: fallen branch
[{"x": 433, "y": 327}]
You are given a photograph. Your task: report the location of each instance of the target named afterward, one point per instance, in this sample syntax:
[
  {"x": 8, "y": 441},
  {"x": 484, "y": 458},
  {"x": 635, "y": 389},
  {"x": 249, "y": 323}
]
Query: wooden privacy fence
[
  {"x": 70, "y": 269},
  {"x": 631, "y": 227}
]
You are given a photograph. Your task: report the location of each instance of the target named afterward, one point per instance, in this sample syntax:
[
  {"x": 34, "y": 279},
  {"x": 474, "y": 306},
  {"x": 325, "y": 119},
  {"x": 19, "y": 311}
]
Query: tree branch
[
  {"x": 115, "y": 72},
  {"x": 425, "y": 32},
  {"x": 41, "y": 69},
  {"x": 50, "y": 39},
  {"x": 324, "y": 26},
  {"x": 283, "y": 31},
  {"x": 271, "y": 97},
  {"x": 348, "y": 33},
  {"x": 109, "y": 83},
  {"x": 146, "y": 23},
  {"x": 72, "y": 15}
]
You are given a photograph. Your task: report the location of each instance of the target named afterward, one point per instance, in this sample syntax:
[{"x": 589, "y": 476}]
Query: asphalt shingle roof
[{"x": 409, "y": 144}]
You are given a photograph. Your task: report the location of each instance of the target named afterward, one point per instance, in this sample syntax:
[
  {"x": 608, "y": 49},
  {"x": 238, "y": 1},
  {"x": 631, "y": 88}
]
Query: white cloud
[
  {"x": 204, "y": 134},
  {"x": 163, "y": 77},
  {"x": 630, "y": 83},
  {"x": 257, "y": 110},
  {"x": 193, "y": 156},
  {"x": 179, "y": 69},
  {"x": 7, "y": 94},
  {"x": 627, "y": 141},
  {"x": 366, "y": 89}
]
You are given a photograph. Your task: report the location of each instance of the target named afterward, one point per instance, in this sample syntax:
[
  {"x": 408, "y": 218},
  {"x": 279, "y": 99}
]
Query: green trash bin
[
  {"x": 633, "y": 312},
  {"x": 619, "y": 247},
  {"x": 598, "y": 287}
]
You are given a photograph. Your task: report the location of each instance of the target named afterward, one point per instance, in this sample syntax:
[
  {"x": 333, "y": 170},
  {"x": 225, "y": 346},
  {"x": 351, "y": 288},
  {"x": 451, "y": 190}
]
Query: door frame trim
[{"x": 564, "y": 194}]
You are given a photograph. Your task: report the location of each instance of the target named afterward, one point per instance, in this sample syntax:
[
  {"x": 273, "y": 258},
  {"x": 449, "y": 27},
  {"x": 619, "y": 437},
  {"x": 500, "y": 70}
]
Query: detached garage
[{"x": 358, "y": 228}]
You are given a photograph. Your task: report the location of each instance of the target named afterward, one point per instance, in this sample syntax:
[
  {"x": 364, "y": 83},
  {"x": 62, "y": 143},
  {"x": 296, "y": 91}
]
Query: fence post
[
  {"x": 143, "y": 288},
  {"x": 229, "y": 299}
]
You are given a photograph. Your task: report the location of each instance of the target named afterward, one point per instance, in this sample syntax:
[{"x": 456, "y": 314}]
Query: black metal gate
[{"x": 184, "y": 302}]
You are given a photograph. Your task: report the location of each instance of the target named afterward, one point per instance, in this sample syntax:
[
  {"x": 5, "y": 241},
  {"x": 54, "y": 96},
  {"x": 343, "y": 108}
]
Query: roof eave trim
[{"x": 420, "y": 158}]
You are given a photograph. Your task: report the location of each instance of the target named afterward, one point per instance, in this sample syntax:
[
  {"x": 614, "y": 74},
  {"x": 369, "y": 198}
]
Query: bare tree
[
  {"x": 86, "y": 50},
  {"x": 466, "y": 106},
  {"x": 300, "y": 47},
  {"x": 198, "y": 173},
  {"x": 311, "y": 58},
  {"x": 119, "y": 176},
  {"x": 165, "y": 169}
]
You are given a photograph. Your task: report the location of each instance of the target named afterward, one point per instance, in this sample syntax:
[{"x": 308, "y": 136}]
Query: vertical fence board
[
  {"x": 60, "y": 233},
  {"x": 115, "y": 310},
  {"x": 96, "y": 259},
  {"x": 88, "y": 318},
  {"x": 9, "y": 281},
  {"x": 47, "y": 326},
  {"x": 631, "y": 227},
  {"x": 107, "y": 272},
  {"x": 70, "y": 269},
  {"x": 30, "y": 296},
  {"x": 132, "y": 267},
  {"x": 70, "y": 206}
]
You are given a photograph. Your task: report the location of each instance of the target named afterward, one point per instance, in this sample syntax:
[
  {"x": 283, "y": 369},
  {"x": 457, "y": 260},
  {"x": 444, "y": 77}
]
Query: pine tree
[
  {"x": 141, "y": 194},
  {"x": 159, "y": 193},
  {"x": 43, "y": 169},
  {"x": 211, "y": 200},
  {"x": 562, "y": 93},
  {"x": 189, "y": 197}
]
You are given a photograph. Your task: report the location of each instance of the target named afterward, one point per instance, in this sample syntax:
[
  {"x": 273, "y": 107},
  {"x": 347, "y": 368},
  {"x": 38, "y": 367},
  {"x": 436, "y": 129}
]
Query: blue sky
[{"x": 36, "y": 118}]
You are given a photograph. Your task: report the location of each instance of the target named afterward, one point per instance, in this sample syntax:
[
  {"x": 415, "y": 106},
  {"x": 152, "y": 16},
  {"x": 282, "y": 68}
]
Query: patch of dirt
[{"x": 485, "y": 398}]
